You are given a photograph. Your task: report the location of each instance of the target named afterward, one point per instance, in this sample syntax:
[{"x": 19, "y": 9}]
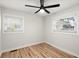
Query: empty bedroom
[{"x": 39, "y": 28}]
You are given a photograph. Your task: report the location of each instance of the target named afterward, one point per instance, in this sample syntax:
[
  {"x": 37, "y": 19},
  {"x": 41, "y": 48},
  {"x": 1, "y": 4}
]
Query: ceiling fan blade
[
  {"x": 37, "y": 11},
  {"x": 51, "y": 6},
  {"x": 31, "y": 6},
  {"x": 46, "y": 11}
]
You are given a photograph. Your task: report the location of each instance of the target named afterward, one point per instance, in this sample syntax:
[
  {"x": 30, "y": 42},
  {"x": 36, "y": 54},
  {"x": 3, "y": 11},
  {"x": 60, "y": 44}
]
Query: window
[
  {"x": 13, "y": 24},
  {"x": 66, "y": 24}
]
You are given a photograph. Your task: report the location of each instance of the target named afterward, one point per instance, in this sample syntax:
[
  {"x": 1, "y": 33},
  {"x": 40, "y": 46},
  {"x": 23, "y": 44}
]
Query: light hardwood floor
[{"x": 42, "y": 50}]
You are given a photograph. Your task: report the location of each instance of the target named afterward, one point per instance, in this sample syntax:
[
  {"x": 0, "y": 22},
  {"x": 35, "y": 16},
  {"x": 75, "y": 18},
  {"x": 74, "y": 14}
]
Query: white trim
[
  {"x": 63, "y": 49},
  {"x": 35, "y": 43}
]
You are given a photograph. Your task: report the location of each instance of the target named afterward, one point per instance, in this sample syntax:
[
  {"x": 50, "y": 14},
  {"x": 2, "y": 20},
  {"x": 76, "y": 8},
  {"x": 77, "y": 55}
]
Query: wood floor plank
[
  {"x": 37, "y": 54},
  {"x": 42, "y": 50},
  {"x": 61, "y": 53}
]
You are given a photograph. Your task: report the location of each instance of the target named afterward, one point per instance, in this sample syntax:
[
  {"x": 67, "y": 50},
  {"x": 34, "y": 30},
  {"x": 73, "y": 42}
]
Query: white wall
[
  {"x": 33, "y": 31},
  {"x": 66, "y": 41},
  {"x": 0, "y": 29}
]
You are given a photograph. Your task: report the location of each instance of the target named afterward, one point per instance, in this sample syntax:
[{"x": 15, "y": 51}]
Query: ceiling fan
[{"x": 42, "y": 7}]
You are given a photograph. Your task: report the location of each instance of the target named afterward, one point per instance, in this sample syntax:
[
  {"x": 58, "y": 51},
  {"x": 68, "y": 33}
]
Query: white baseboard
[
  {"x": 63, "y": 49},
  {"x": 21, "y": 46}
]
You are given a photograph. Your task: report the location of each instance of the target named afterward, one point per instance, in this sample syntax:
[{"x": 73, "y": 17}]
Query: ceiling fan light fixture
[{"x": 42, "y": 11}]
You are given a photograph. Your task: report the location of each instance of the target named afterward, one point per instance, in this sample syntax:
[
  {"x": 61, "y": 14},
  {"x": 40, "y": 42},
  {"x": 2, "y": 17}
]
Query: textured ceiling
[{"x": 20, "y": 5}]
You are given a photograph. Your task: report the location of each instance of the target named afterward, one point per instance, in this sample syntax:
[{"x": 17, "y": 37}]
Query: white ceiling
[{"x": 20, "y": 5}]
